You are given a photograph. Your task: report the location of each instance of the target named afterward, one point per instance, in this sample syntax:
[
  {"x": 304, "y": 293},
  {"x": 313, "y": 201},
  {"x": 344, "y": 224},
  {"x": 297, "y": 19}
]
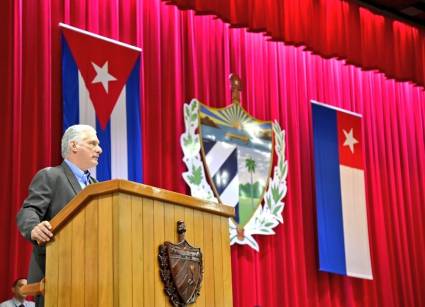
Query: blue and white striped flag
[{"x": 100, "y": 82}]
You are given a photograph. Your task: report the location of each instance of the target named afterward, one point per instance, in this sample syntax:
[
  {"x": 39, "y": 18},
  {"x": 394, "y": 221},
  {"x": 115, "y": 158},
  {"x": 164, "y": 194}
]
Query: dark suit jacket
[{"x": 50, "y": 190}]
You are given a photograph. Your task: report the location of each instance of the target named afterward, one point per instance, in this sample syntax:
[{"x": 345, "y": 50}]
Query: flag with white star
[
  {"x": 340, "y": 192},
  {"x": 101, "y": 88}
]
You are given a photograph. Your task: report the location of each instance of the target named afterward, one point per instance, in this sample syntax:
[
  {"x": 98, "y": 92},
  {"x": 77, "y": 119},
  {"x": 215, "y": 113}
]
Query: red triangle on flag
[{"x": 105, "y": 66}]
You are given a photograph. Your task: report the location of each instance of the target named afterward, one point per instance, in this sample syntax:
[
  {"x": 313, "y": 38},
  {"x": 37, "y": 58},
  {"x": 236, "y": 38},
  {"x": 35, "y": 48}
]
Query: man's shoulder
[
  {"x": 49, "y": 174},
  {"x": 51, "y": 171}
]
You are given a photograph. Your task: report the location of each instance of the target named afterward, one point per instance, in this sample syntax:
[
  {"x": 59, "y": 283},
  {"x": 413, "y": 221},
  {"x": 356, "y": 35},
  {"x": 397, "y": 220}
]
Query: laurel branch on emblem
[
  {"x": 191, "y": 145},
  {"x": 268, "y": 215}
]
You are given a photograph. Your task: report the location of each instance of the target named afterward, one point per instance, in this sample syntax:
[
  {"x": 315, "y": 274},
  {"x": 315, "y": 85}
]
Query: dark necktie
[
  {"x": 86, "y": 178},
  {"x": 22, "y": 305}
]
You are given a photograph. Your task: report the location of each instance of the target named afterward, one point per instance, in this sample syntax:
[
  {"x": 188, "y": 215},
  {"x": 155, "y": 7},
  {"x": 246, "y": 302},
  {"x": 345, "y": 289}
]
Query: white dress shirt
[{"x": 15, "y": 303}]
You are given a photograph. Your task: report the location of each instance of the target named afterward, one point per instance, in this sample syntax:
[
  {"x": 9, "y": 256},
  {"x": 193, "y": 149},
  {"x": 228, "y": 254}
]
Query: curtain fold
[
  {"x": 186, "y": 56},
  {"x": 330, "y": 28}
]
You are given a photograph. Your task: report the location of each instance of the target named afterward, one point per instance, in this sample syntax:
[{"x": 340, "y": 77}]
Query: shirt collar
[
  {"x": 79, "y": 174},
  {"x": 16, "y": 302}
]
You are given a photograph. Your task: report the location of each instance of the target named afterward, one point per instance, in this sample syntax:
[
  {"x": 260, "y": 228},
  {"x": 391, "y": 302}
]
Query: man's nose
[{"x": 99, "y": 149}]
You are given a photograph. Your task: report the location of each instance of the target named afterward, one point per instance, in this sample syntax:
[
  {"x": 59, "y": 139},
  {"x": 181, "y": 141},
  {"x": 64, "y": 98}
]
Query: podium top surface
[{"x": 133, "y": 188}]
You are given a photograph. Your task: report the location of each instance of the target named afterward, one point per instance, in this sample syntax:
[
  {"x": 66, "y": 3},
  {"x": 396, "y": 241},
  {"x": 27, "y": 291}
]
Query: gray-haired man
[{"x": 52, "y": 188}]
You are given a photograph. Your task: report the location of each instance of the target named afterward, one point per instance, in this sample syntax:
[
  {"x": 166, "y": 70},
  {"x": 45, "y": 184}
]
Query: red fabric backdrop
[
  {"x": 331, "y": 28},
  {"x": 186, "y": 56}
]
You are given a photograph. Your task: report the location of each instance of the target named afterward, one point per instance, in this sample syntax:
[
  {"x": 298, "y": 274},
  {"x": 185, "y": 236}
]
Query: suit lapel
[{"x": 71, "y": 178}]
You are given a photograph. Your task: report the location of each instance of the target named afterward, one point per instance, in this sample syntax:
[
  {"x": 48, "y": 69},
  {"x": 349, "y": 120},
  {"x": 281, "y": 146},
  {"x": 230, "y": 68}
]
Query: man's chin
[{"x": 93, "y": 164}]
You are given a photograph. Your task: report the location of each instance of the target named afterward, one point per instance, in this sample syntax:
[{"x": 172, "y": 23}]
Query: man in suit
[
  {"x": 18, "y": 299},
  {"x": 52, "y": 188}
]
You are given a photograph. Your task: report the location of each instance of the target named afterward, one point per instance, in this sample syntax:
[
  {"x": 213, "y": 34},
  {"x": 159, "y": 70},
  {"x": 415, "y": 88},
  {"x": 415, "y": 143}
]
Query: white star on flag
[
  {"x": 102, "y": 75},
  {"x": 349, "y": 139}
]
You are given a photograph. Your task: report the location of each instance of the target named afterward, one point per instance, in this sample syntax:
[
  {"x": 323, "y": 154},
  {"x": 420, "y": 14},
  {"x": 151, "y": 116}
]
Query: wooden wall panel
[
  {"x": 91, "y": 254},
  {"x": 137, "y": 251},
  {"x": 115, "y": 249},
  {"x": 124, "y": 249},
  {"x": 169, "y": 223},
  {"x": 209, "y": 286},
  {"x": 77, "y": 259},
  {"x": 190, "y": 228},
  {"x": 125, "y": 260},
  {"x": 198, "y": 241},
  {"x": 159, "y": 238},
  {"x": 218, "y": 262},
  {"x": 227, "y": 265},
  {"x": 105, "y": 256},
  {"x": 148, "y": 249},
  {"x": 65, "y": 266},
  {"x": 52, "y": 272}
]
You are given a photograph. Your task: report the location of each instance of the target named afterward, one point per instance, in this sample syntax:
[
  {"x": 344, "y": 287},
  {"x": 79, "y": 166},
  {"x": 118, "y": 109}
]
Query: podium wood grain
[{"x": 105, "y": 248}]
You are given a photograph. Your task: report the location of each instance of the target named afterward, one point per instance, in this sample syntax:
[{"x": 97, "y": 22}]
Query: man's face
[
  {"x": 87, "y": 151},
  {"x": 17, "y": 290}
]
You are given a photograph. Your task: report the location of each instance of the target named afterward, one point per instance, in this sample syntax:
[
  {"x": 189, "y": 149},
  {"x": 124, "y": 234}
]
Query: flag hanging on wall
[
  {"x": 340, "y": 192},
  {"x": 100, "y": 86}
]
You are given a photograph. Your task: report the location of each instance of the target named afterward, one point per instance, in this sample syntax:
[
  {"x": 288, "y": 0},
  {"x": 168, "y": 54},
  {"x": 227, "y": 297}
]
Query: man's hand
[{"x": 41, "y": 233}]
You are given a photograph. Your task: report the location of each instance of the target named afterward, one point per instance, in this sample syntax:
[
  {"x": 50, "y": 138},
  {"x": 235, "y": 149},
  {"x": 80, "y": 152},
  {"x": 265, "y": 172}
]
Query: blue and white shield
[{"x": 237, "y": 153}]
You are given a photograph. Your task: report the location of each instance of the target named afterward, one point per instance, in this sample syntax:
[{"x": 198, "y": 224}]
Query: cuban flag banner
[
  {"x": 100, "y": 85},
  {"x": 340, "y": 192}
]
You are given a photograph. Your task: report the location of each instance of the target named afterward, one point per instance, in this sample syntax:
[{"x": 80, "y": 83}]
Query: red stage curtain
[
  {"x": 331, "y": 28},
  {"x": 186, "y": 56}
]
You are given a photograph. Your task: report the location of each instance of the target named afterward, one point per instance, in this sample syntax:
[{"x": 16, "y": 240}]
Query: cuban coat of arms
[{"x": 229, "y": 157}]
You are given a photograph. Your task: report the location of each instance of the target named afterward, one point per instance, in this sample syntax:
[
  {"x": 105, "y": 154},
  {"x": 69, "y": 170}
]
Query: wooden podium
[{"x": 105, "y": 248}]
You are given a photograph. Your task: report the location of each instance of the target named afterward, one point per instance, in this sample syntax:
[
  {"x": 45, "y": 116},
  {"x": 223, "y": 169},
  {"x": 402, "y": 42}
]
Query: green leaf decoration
[
  {"x": 269, "y": 201},
  {"x": 277, "y": 194},
  {"x": 188, "y": 140},
  {"x": 284, "y": 169},
  {"x": 277, "y": 209},
  {"x": 196, "y": 176},
  {"x": 266, "y": 230}
]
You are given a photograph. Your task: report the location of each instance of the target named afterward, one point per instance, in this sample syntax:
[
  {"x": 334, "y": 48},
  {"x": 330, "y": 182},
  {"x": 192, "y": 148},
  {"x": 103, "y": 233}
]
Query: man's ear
[{"x": 74, "y": 146}]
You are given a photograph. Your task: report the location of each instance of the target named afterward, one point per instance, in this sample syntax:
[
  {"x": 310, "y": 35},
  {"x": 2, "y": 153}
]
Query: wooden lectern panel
[{"x": 106, "y": 255}]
